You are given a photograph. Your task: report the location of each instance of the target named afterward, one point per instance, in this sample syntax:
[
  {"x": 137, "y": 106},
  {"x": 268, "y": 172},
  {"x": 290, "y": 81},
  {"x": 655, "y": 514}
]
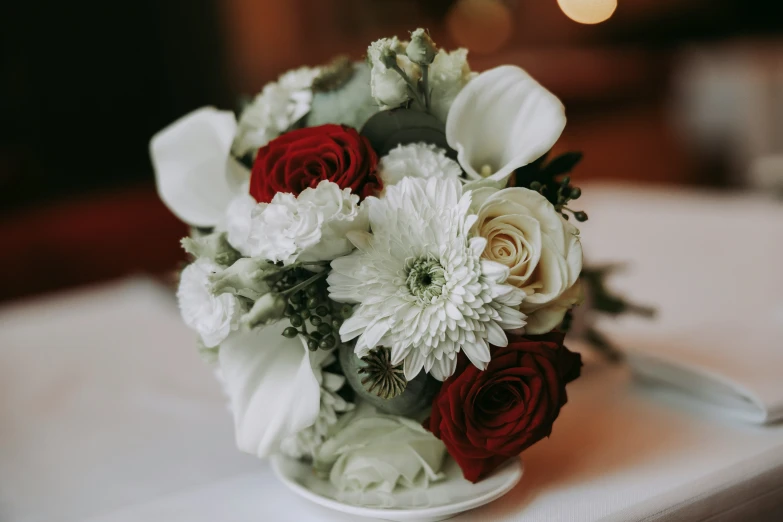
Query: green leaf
[
  {"x": 563, "y": 163},
  {"x": 387, "y": 129}
]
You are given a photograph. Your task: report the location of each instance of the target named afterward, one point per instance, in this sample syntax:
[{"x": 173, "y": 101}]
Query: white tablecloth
[{"x": 107, "y": 414}]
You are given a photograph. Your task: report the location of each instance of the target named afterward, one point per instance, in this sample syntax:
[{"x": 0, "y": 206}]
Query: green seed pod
[
  {"x": 315, "y": 320},
  {"x": 416, "y": 398},
  {"x": 322, "y": 310},
  {"x": 313, "y": 303},
  {"x": 290, "y": 332},
  {"x": 296, "y": 320},
  {"x": 312, "y": 345},
  {"x": 324, "y": 328}
]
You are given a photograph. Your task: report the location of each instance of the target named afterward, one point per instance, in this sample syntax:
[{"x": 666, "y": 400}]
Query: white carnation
[
  {"x": 417, "y": 160},
  {"x": 213, "y": 317},
  {"x": 310, "y": 227},
  {"x": 274, "y": 110}
]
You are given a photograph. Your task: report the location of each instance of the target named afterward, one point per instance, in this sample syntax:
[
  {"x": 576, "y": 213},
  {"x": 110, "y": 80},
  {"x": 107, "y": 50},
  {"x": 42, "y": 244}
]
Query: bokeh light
[
  {"x": 483, "y": 26},
  {"x": 588, "y": 11}
]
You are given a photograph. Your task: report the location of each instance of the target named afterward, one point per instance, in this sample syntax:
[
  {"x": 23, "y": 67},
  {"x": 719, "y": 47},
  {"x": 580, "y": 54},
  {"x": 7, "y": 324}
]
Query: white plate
[{"x": 440, "y": 501}]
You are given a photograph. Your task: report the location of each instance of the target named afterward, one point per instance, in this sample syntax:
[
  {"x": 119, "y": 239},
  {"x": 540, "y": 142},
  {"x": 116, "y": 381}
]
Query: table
[{"x": 107, "y": 414}]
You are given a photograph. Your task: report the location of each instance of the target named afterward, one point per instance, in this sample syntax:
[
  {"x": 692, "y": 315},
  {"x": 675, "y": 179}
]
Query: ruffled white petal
[{"x": 212, "y": 316}]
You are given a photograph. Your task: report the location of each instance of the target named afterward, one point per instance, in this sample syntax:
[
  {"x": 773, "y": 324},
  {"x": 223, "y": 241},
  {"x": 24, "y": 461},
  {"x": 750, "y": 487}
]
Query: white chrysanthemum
[
  {"x": 308, "y": 227},
  {"x": 213, "y": 317},
  {"x": 304, "y": 443},
  {"x": 421, "y": 285},
  {"x": 417, "y": 160},
  {"x": 278, "y": 106}
]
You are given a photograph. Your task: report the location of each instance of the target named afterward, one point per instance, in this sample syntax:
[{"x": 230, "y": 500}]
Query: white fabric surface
[
  {"x": 107, "y": 414},
  {"x": 712, "y": 266}
]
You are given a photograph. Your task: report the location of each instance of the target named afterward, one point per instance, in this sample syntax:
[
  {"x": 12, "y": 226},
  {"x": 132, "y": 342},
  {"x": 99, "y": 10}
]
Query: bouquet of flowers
[{"x": 383, "y": 262}]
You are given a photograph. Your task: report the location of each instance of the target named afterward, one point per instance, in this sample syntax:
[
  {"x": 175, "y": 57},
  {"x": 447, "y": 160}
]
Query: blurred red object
[{"x": 86, "y": 240}]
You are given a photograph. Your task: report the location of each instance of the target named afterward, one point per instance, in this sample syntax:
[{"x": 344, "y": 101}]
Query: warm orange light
[
  {"x": 483, "y": 26},
  {"x": 588, "y": 11}
]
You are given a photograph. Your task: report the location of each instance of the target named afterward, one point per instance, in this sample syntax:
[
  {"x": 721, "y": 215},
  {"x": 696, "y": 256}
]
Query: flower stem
[
  {"x": 304, "y": 284},
  {"x": 413, "y": 89},
  {"x": 425, "y": 70}
]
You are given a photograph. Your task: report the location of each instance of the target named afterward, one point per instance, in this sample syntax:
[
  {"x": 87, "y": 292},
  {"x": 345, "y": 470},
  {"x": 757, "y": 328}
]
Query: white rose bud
[
  {"x": 246, "y": 277},
  {"x": 421, "y": 49},
  {"x": 386, "y": 56},
  {"x": 213, "y": 246},
  {"x": 267, "y": 310}
]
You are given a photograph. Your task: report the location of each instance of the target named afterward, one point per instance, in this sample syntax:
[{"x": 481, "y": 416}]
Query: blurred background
[{"x": 675, "y": 92}]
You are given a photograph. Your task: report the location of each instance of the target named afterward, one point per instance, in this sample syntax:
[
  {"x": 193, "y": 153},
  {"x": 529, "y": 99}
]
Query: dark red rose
[
  {"x": 302, "y": 158},
  {"x": 486, "y": 417}
]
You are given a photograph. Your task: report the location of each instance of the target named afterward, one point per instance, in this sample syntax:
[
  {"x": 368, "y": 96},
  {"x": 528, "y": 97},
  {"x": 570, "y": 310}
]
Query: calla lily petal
[
  {"x": 195, "y": 175},
  {"x": 502, "y": 120},
  {"x": 272, "y": 389}
]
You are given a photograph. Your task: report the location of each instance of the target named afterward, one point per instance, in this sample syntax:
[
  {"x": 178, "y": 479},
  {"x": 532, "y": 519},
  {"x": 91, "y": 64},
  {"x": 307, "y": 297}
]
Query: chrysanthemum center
[{"x": 426, "y": 278}]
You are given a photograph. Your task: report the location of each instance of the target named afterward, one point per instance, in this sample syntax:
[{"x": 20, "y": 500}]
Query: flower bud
[
  {"x": 421, "y": 49},
  {"x": 247, "y": 277},
  {"x": 268, "y": 309},
  {"x": 213, "y": 246},
  {"x": 388, "y": 58}
]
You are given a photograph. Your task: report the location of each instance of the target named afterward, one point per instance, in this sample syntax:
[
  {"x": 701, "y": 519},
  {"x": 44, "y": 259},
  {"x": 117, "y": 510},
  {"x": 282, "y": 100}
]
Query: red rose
[
  {"x": 486, "y": 417},
  {"x": 302, "y": 158}
]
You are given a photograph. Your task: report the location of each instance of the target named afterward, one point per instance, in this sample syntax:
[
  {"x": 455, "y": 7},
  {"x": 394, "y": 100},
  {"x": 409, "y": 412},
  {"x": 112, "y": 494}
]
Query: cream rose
[{"x": 541, "y": 249}]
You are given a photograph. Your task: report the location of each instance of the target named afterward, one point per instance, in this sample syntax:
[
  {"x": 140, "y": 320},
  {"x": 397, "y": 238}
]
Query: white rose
[
  {"x": 213, "y": 317},
  {"x": 541, "y": 249},
  {"x": 380, "y": 452},
  {"x": 309, "y": 227},
  {"x": 388, "y": 87},
  {"x": 448, "y": 74},
  {"x": 417, "y": 160},
  {"x": 274, "y": 110}
]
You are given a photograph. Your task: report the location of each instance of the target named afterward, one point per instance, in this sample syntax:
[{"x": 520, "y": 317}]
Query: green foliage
[
  {"x": 387, "y": 129},
  {"x": 550, "y": 179}
]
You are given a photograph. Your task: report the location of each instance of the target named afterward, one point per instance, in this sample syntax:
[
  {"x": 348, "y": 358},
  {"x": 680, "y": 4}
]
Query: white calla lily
[
  {"x": 195, "y": 175},
  {"x": 502, "y": 120},
  {"x": 272, "y": 388}
]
